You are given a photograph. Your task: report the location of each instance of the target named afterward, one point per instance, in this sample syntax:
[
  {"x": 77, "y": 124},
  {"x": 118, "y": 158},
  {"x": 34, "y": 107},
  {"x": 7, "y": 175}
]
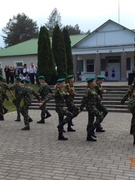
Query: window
[
  {"x": 19, "y": 64},
  {"x": 90, "y": 65},
  {"x": 128, "y": 64}
]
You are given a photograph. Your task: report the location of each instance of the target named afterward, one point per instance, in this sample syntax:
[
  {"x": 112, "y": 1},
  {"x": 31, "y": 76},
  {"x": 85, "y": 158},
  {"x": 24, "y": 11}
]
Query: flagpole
[{"x": 119, "y": 11}]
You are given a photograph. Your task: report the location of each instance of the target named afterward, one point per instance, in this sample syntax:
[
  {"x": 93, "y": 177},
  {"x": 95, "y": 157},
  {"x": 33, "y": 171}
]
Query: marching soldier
[
  {"x": 127, "y": 96},
  {"x": 59, "y": 96},
  {"x": 3, "y": 88},
  {"x": 89, "y": 101},
  {"x": 100, "y": 91},
  {"x": 70, "y": 91},
  {"x": 26, "y": 96},
  {"x": 17, "y": 87},
  {"x": 44, "y": 91}
]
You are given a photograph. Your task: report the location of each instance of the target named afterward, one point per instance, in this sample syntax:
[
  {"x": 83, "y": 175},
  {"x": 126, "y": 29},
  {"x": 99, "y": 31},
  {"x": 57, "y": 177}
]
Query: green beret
[
  {"x": 70, "y": 76},
  {"x": 18, "y": 78},
  {"x": 27, "y": 80},
  {"x": 90, "y": 79},
  {"x": 61, "y": 80},
  {"x": 100, "y": 77},
  {"x": 41, "y": 77},
  {"x": 1, "y": 77}
]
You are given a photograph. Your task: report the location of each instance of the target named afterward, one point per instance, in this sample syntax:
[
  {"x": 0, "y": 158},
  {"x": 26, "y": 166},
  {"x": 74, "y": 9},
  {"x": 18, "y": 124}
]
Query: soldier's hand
[{"x": 40, "y": 104}]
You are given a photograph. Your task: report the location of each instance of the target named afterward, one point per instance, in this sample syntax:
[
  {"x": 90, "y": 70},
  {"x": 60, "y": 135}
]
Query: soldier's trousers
[
  {"x": 94, "y": 112},
  {"x": 16, "y": 102},
  {"x": 73, "y": 109},
  {"x": 102, "y": 109},
  {"x": 133, "y": 123},
  {"x": 43, "y": 111},
  {"x": 62, "y": 121},
  {"x": 24, "y": 111}
]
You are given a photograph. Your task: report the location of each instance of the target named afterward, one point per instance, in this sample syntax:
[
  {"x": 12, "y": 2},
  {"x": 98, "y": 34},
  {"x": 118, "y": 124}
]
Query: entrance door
[{"x": 114, "y": 71}]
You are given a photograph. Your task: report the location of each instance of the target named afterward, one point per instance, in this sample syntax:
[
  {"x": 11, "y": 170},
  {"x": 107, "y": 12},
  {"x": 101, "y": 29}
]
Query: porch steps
[{"x": 111, "y": 99}]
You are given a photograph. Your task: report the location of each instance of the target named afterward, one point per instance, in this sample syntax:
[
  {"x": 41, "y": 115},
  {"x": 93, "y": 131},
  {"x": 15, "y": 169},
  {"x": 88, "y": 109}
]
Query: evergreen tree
[
  {"x": 59, "y": 52},
  {"x": 45, "y": 59},
  {"x": 68, "y": 51}
]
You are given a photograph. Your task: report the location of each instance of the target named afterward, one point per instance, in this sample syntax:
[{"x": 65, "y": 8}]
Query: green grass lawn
[{"x": 9, "y": 105}]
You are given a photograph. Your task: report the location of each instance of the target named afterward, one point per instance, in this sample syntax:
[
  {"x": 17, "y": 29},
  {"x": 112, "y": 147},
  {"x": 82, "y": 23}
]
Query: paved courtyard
[{"x": 38, "y": 155}]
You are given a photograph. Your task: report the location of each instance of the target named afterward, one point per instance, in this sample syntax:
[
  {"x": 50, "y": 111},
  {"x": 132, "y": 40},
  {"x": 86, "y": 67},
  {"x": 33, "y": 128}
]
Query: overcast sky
[{"x": 88, "y": 14}]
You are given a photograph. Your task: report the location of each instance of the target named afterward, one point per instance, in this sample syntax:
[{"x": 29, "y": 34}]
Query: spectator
[
  {"x": 11, "y": 74},
  {"x": 32, "y": 73},
  {"x": 16, "y": 72},
  {"x": 7, "y": 70}
]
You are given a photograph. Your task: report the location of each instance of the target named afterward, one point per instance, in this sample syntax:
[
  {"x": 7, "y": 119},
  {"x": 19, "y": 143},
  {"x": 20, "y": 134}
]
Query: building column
[
  {"x": 123, "y": 66},
  {"x": 75, "y": 66},
  {"x": 97, "y": 64}
]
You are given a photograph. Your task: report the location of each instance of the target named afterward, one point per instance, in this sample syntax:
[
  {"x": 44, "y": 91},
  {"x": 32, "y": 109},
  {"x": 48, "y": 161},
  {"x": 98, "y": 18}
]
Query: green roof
[{"x": 30, "y": 47}]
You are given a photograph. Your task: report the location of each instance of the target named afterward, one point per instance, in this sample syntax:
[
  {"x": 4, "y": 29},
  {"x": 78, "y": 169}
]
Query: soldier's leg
[
  {"x": 60, "y": 127},
  {"x": 43, "y": 110},
  {"x": 1, "y": 113},
  {"x": 102, "y": 109},
  {"x": 26, "y": 118},
  {"x": 47, "y": 114},
  {"x": 90, "y": 137},
  {"x": 75, "y": 111},
  {"x": 99, "y": 119}
]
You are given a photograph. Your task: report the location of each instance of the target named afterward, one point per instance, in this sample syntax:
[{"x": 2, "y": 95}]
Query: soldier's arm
[{"x": 84, "y": 100}]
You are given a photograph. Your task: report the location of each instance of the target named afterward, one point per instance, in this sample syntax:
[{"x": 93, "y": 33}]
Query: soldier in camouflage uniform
[
  {"x": 17, "y": 87},
  {"x": 89, "y": 101},
  {"x": 126, "y": 97},
  {"x": 70, "y": 90},
  {"x": 3, "y": 88},
  {"x": 44, "y": 91},
  {"x": 26, "y": 96},
  {"x": 100, "y": 91},
  {"x": 59, "y": 96}
]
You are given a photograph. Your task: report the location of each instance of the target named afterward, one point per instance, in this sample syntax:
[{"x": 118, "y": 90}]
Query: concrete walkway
[{"x": 38, "y": 155}]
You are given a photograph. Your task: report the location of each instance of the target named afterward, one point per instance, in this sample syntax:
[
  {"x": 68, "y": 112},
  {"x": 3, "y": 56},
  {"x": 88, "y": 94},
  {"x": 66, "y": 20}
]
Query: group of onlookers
[{"x": 11, "y": 72}]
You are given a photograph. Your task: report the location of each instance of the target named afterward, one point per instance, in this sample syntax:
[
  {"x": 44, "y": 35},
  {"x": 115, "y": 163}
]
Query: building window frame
[
  {"x": 20, "y": 66},
  {"x": 90, "y": 65}
]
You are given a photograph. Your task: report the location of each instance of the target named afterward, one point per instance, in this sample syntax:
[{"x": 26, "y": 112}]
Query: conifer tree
[
  {"x": 58, "y": 49},
  {"x": 68, "y": 51},
  {"x": 45, "y": 58}
]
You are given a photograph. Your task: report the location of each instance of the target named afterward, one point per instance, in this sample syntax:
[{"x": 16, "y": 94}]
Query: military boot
[
  {"x": 26, "y": 128},
  {"x": 70, "y": 129},
  {"x": 42, "y": 121},
  {"x": 1, "y": 117},
  {"x": 47, "y": 114},
  {"x": 99, "y": 129},
  {"x": 133, "y": 140},
  {"x": 90, "y": 134},
  {"x": 61, "y": 137},
  {"x": 5, "y": 110},
  {"x": 131, "y": 131}
]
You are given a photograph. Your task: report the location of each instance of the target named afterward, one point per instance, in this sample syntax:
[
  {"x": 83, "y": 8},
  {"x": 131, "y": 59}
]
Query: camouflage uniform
[
  {"x": 70, "y": 104},
  {"x": 59, "y": 96},
  {"x": 26, "y": 96},
  {"x": 45, "y": 92},
  {"x": 126, "y": 97},
  {"x": 89, "y": 101},
  {"x": 99, "y": 90},
  {"x": 3, "y": 88},
  {"x": 17, "y": 87}
]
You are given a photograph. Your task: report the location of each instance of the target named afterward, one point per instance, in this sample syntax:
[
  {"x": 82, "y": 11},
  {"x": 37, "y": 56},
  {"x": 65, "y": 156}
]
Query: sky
[{"x": 88, "y": 14}]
